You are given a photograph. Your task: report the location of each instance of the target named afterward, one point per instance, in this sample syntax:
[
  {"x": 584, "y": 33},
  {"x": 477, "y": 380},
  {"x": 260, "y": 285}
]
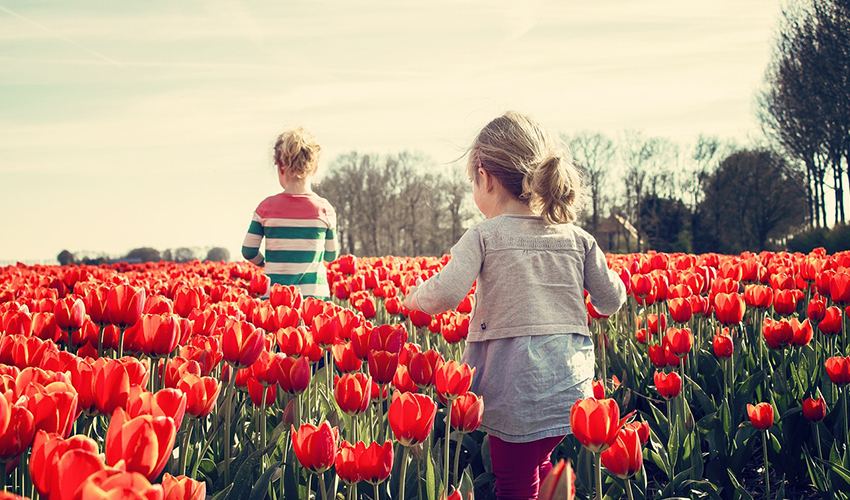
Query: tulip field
[{"x": 722, "y": 377}]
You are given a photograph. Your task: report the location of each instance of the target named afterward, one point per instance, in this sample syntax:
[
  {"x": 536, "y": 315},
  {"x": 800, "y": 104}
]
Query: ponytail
[
  {"x": 297, "y": 151},
  {"x": 555, "y": 185}
]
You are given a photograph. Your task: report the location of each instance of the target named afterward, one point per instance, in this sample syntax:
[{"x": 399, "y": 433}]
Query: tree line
[{"x": 146, "y": 254}]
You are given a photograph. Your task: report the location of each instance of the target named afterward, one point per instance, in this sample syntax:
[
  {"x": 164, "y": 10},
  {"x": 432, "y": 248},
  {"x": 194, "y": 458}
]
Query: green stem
[
  {"x": 184, "y": 448},
  {"x": 375, "y": 487},
  {"x": 263, "y": 429},
  {"x": 446, "y": 443},
  {"x": 403, "y": 473},
  {"x": 100, "y": 342},
  {"x": 309, "y": 486},
  {"x": 380, "y": 436},
  {"x": 629, "y": 489},
  {"x": 227, "y": 437},
  {"x": 322, "y": 486},
  {"x": 597, "y": 458},
  {"x": 817, "y": 439},
  {"x": 457, "y": 457},
  {"x": 121, "y": 343},
  {"x": 846, "y": 426},
  {"x": 766, "y": 472}
]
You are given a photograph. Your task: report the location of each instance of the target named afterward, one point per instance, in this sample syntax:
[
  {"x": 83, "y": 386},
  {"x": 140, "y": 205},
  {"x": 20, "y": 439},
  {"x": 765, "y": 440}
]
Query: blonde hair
[
  {"x": 530, "y": 165},
  {"x": 297, "y": 152}
]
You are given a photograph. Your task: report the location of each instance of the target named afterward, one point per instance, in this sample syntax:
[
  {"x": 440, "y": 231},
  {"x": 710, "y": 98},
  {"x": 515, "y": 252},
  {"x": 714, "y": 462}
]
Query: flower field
[{"x": 722, "y": 377}]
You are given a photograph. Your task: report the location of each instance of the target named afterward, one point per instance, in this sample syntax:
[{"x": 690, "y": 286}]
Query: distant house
[{"x": 615, "y": 234}]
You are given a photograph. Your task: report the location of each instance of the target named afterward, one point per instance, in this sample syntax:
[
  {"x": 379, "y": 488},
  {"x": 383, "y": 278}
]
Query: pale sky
[{"x": 128, "y": 124}]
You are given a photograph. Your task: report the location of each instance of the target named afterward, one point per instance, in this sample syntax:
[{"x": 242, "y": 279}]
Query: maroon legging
[{"x": 521, "y": 467}]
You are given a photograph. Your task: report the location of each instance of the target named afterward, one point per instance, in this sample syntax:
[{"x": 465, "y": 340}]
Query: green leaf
[
  {"x": 775, "y": 442},
  {"x": 707, "y": 403},
  {"x": 261, "y": 487},
  {"x": 739, "y": 490},
  {"x": 466, "y": 484},
  {"x": 673, "y": 447},
  {"x": 221, "y": 495},
  {"x": 290, "y": 481},
  {"x": 244, "y": 480},
  {"x": 815, "y": 473},
  {"x": 430, "y": 481},
  {"x": 837, "y": 469}
]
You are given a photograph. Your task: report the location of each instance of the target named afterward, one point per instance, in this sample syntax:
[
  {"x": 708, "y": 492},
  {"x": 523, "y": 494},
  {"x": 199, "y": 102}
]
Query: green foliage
[{"x": 833, "y": 240}]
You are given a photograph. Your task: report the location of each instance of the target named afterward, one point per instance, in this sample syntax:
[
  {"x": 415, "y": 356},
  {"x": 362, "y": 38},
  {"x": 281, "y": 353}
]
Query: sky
[{"x": 130, "y": 124}]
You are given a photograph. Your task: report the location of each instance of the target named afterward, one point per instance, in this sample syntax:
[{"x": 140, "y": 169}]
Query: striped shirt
[{"x": 300, "y": 233}]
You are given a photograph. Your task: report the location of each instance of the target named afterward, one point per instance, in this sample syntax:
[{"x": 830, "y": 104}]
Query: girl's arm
[
  {"x": 606, "y": 289},
  {"x": 331, "y": 241},
  {"x": 251, "y": 245},
  {"x": 446, "y": 289}
]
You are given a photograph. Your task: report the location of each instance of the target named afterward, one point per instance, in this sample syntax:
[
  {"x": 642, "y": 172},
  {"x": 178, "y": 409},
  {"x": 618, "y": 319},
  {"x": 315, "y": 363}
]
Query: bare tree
[{"x": 594, "y": 153}]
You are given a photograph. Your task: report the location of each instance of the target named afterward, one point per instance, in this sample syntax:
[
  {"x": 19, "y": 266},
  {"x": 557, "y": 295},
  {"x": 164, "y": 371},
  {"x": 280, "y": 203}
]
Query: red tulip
[
  {"x": 411, "y": 417},
  {"x": 816, "y": 309},
  {"x": 70, "y": 313},
  {"x": 839, "y": 288},
  {"x": 183, "y": 488},
  {"x": 831, "y": 322},
  {"x": 201, "y": 394},
  {"x": 186, "y": 300},
  {"x": 293, "y": 375},
  {"x": 144, "y": 443},
  {"x": 559, "y": 483},
  {"x": 681, "y": 340},
  {"x": 326, "y": 329},
  {"x": 642, "y": 285},
  {"x": 680, "y": 309},
  {"x": 18, "y": 435},
  {"x": 345, "y": 463},
  {"x": 761, "y": 415},
  {"x": 288, "y": 296},
  {"x": 758, "y": 296},
  {"x": 802, "y": 332},
  {"x": 453, "y": 379},
  {"x": 257, "y": 390},
  {"x": 124, "y": 305},
  {"x": 668, "y": 385},
  {"x": 729, "y": 308},
  {"x": 382, "y": 366},
  {"x": 423, "y": 366},
  {"x": 164, "y": 403},
  {"x": 777, "y": 334},
  {"x": 598, "y": 389},
  {"x": 595, "y": 423},
  {"x": 95, "y": 302},
  {"x": 466, "y": 412},
  {"x": 625, "y": 456},
  {"x": 838, "y": 369},
  {"x": 785, "y": 302},
  {"x": 814, "y": 409},
  {"x": 241, "y": 343},
  {"x": 420, "y": 319},
  {"x": 402, "y": 381},
  {"x": 116, "y": 484},
  {"x": 352, "y": 393},
  {"x": 723, "y": 345},
  {"x": 375, "y": 461},
  {"x": 259, "y": 285},
  {"x": 315, "y": 447},
  {"x": 346, "y": 360},
  {"x": 47, "y": 450},
  {"x": 657, "y": 356}
]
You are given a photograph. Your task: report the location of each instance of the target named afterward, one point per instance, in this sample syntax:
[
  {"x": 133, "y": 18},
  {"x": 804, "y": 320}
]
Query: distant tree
[
  {"x": 167, "y": 255},
  {"x": 668, "y": 224},
  {"x": 65, "y": 258},
  {"x": 218, "y": 254},
  {"x": 184, "y": 254},
  {"x": 594, "y": 153},
  {"x": 143, "y": 254},
  {"x": 754, "y": 196}
]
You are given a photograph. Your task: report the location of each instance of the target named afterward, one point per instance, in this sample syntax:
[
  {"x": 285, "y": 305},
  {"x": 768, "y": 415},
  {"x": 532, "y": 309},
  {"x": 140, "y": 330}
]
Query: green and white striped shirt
[{"x": 300, "y": 233}]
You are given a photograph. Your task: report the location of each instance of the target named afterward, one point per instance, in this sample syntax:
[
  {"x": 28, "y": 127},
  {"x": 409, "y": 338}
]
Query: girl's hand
[{"x": 410, "y": 301}]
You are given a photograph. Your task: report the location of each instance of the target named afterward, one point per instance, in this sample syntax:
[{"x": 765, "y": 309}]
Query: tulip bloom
[
  {"x": 291, "y": 341},
  {"x": 598, "y": 389},
  {"x": 241, "y": 343},
  {"x": 144, "y": 443},
  {"x": 559, "y": 483},
  {"x": 669, "y": 385},
  {"x": 422, "y": 367},
  {"x": 839, "y": 288},
  {"x": 69, "y": 313},
  {"x": 375, "y": 461},
  {"x": 785, "y": 302},
  {"x": 595, "y": 423},
  {"x": 453, "y": 379},
  {"x": 352, "y": 393},
  {"x": 777, "y": 334},
  {"x": 383, "y": 365},
  {"x": 315, "y": 447},
  {"x": 326, "y": 329},
  {"x": 831, "y": 322},
  {"x": 344, "y": 357},
  {"x": 293, "y": 374},
  {"x": 625, "y": 457},
  {"x": 201, "y": 394},
  {"x": 411, "y": 417},
  {"x": 657, "y": 356},
  {"x": 47, "y": 450},
  {"x": 802, "y": 332},
  {"x": 124, "y": 305},
  {"x": 761, "y": 415},
  {"x": 680, "y": 340},
  {"x": 115, "y": 484},
  {"x": 680, "y": 309},
  {"x": 345, "y": 463},
  {"x": 814, "y": 409},
  {"x": 183, "y": 488},
  {"x": 729, "y": 308},
  {"x": 758, "y": 296},
  {"x": 467, "y": 411},
  {"x": 723, "y": 345},
  {"x": 816, "y": 309},
  {"x": 838, "y": 369}
]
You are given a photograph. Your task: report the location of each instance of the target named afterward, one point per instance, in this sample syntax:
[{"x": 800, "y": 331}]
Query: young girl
[
  {"x": 299, "y": 225},
  {"x": 528, "y": 336}
]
